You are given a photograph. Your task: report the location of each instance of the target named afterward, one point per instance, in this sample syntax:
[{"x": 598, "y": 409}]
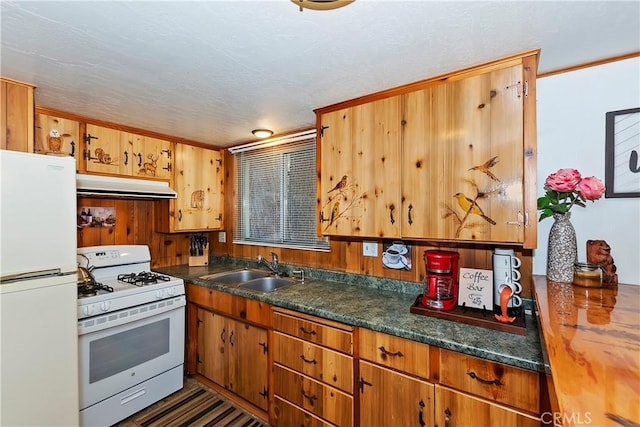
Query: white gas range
[{"x": 131, "y": 333}]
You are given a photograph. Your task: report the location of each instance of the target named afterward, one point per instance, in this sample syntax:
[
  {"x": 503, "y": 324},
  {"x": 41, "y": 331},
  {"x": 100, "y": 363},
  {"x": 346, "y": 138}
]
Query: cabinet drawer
[
  {"x": 233, "y": 305},
  {"x": 309, "y": 330},
  {"x": 491, "y": 380},
  {"x": 397, "y": 353},
  {"x": 322, "y": 400},
  {"x": 287, "y": 415},
  {"x": 325, "y": 365}
]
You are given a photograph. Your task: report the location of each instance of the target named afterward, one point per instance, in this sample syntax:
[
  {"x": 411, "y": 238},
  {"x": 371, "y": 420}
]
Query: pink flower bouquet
[{"x": 566, "y": 188}]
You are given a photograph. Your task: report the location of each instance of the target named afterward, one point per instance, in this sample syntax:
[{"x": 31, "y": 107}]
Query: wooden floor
[{"x": 195, "y": 405}]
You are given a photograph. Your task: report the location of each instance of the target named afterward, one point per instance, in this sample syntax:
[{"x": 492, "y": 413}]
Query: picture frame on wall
[{"x": 622, "y": 153}]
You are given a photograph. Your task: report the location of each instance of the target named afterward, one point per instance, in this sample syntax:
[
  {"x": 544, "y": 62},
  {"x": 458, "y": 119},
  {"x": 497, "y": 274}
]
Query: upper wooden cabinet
[
  {"x": 57, "y": 136},
  {"x": 450, "y": 158},
  {"x": 463, "y": 159},
  {"x": 16, "y": 116},
  {"x": 360, "y": 173},
  {"x": 116, "y": 152},
  {"x": 198, "y": 182}
]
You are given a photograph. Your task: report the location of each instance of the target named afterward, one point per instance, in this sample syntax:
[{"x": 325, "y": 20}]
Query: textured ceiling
[{"x": 211, "y": 71}]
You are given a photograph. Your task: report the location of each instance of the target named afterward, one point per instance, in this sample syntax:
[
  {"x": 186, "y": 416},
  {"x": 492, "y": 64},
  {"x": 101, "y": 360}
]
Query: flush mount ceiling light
[
  {"x": 321, "y": 4},
  {"x": 262, "y": 133}
]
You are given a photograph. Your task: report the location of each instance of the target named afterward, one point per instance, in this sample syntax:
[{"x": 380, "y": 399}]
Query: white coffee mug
[
  {"x": 392, "y": 256},
  {"x": 505, "y": 258},
  {"x": 514, "y": 300},
  {"x": 502, "y": 275}
]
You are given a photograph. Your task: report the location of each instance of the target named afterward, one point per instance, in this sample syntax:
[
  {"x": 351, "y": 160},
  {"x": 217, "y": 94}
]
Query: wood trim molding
[
  {"x": 589, "y": 64},
  {"x": 17, "y": 82}
]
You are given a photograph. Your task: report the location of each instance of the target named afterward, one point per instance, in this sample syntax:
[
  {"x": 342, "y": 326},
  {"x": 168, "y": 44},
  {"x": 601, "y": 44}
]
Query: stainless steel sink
[
  {"x": 267, "y": 284},
  {"x": 236, "y": 277}
]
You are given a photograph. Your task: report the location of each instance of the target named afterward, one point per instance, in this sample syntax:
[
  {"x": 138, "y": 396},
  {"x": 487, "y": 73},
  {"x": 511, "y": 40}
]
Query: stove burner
[
  {"x": 143, "y": 278},
  {"x": 92, "y": 289}
]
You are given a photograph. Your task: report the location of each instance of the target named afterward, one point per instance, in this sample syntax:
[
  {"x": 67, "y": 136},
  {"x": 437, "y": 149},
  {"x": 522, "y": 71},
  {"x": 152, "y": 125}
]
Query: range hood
[{"x": 108, "y": 186}]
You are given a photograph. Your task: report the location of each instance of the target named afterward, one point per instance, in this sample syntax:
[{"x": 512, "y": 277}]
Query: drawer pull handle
[
  {"x": 420, "y": 415},
  {"x": 482, "y": 380},
  {"x": 386, "y": 352},
  {"x": 308, "y": 361},
  {"x": 223, "y": 335},
  {"x": 231, "y": 339},
  {"x": 308, "y": 332},
  {"x": 309, "y": 397}
]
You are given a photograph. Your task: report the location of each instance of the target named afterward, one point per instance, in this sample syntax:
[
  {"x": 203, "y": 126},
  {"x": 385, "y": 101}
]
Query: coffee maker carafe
[{"x": 441, "y": 280}]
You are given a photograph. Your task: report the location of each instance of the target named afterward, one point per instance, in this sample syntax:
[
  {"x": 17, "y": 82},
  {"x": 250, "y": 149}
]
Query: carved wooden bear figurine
[{"x": 599, "y": 252}]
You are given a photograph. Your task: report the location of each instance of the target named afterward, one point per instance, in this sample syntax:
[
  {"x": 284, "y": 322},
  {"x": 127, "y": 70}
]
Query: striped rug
[{"x": 194, "y": 406}]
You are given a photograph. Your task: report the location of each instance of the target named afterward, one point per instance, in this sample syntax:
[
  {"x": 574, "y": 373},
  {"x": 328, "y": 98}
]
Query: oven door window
[{"x": 117, "y": 353}]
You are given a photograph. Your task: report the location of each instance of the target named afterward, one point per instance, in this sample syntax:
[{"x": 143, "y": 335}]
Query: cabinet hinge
[
  {"x": 526, "y": 88},
  {"x": 87, "y": 137},
  {"x": 322, "y": 128},
  {"x": 361, "y": 383},
  {"x": 265, "y": 347},
  {"x": 168, "y": 168},
  {"x": 264, "y": 393},
  {"x": 167, "y": 152},
  {"x": 519, "y": 88}
]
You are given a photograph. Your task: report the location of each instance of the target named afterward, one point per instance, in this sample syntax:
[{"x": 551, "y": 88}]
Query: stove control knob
[
  {"x": 105, "y": 305},
  {"x": 171, "y": 292},
  {"x": 159, "y": 293},
  {"x": 87, "y": 310}
]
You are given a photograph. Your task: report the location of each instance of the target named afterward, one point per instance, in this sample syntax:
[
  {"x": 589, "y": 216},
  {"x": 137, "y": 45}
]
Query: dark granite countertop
[{"x": 369, "y": 302}]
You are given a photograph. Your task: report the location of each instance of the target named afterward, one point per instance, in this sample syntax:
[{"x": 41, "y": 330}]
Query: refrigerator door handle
[{"x": 31, "y": 275}]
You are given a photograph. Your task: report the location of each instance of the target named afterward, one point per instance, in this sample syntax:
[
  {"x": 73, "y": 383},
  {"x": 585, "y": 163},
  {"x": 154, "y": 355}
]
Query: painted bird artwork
[
  {"x": 471, "y": 206},
  {"x": 486, "y": 168},
  {"x": 334, "y": 212},
  {"x": 340, "y": 185}
]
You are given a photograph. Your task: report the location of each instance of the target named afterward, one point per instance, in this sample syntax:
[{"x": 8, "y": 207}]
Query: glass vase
[{"x": 562, "y": 250}]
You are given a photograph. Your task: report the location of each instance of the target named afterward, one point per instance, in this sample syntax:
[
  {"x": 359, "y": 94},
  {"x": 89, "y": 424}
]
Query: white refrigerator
[{"x": 38, "y": 291}]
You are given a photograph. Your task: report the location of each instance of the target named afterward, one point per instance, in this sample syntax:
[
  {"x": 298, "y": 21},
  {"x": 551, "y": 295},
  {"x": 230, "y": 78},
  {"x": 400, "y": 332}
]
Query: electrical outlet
[
  {"x": 369, "y": 249},
  {"x": 222, "y": 236}
]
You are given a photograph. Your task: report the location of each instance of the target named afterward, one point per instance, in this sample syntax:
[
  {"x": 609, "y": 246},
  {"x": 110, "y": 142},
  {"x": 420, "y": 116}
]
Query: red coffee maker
[{"x": 441, "y": 280}]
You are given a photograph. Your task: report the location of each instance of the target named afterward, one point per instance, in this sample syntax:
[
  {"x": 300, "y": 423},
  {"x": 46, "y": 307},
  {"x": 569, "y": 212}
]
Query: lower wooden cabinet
[
  {"x": 287, "y": 415},
  {"x": 455, "y": 409},
  {"x": 233, "y": 354},
  {"x": 390, "y": 398}
]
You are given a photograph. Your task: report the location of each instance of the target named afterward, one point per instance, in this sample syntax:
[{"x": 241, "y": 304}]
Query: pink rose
[
  {"x": 591, "y": 188},
  {"x": 563, "y": 181}
]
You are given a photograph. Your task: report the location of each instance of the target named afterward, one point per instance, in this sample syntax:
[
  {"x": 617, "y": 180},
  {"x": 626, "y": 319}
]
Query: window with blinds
[{"x": 276, "y": 195}]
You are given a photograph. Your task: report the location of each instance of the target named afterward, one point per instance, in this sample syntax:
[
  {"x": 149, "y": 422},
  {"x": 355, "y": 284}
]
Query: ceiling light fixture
[
  {"x": 321, "y": 4},
  {"x": 262, "y": 133}
]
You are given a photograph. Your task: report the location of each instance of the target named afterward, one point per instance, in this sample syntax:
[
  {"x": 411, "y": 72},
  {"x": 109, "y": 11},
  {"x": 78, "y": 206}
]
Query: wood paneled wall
[{"x": 135, "y": 219}]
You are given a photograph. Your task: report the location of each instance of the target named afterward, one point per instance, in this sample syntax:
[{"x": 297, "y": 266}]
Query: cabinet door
[
  {"x": 154, "y": 159},
  {"x": 456, "y": 409},
  {"x": 463, "y": 159},
  {"x": 198, "y": 184},
  {"x": 360, "y": 170},
  {"x": 56, "y": 135},
  {"x": 248, "y": 362},
  {"x": 389, "y": 398},
  {"x": 16, "y": 112},
  {"x": 107, "y": 151},
  {"x": 212, "y": 346}
]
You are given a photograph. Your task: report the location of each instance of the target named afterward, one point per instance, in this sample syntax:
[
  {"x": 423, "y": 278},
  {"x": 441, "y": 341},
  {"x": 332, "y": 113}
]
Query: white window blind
[{"x": 276, "y": 195}]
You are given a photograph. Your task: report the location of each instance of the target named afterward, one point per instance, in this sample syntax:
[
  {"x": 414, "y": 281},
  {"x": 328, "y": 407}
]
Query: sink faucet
[{"x": 273, "y": 265}]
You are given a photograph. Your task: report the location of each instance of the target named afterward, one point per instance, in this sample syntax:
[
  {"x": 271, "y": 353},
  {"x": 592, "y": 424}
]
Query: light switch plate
[
  {"x": 222, "y": 236},
  {"x": 369, "y": 248}
]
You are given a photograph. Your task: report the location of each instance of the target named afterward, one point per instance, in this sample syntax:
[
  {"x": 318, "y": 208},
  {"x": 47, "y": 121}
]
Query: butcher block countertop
[{"x": 592, "y": 338}]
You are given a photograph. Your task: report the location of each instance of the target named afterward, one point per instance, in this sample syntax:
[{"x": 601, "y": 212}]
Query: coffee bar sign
[
  {"x": 622, "y": 153},
  {"x": 476, "y": 288}
]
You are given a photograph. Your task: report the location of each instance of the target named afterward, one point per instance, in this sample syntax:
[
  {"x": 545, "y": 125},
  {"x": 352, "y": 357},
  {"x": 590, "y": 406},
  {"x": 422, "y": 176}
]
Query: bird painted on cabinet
[
  {"x": 471, "y": 206},
  {"x": 335, "y": 212},
  {"x": 340, "y": 185},
  {"x": 484, "y": 168}
]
